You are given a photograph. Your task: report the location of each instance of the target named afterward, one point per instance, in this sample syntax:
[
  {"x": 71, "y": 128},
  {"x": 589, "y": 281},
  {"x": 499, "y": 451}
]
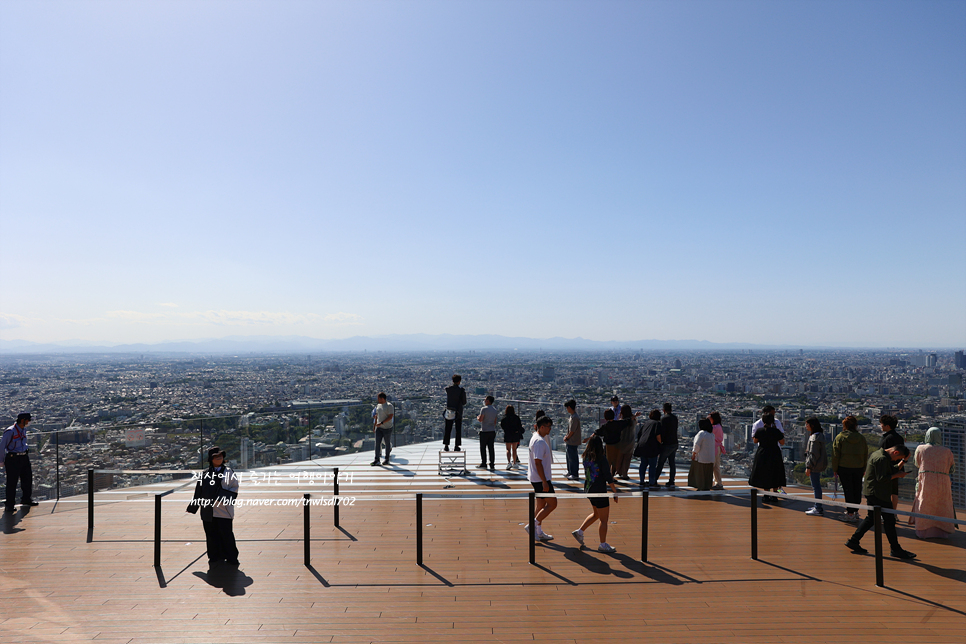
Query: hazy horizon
[
  {"x": 789, "y": 174},
  {"x": 409, "y": 343}
]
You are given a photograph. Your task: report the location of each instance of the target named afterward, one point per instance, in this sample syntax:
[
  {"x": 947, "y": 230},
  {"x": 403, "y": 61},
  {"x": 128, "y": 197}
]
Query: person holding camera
[{"x": 215, "y": 494}]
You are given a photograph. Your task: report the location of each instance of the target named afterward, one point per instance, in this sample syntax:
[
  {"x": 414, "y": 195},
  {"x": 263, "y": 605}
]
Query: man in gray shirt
[
  {"x": 488, "y": 416},
  {"x": 382, "y": 425},
  {"x": 573, "y": 440}
]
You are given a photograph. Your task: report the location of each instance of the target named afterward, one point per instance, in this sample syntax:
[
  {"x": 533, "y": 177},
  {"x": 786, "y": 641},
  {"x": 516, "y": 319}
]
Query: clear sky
[{"x": 769, "y": 172}]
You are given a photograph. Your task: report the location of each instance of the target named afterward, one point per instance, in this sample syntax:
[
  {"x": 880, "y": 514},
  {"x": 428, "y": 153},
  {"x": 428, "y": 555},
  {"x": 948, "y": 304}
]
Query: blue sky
[{"x": 773, "y": 172}]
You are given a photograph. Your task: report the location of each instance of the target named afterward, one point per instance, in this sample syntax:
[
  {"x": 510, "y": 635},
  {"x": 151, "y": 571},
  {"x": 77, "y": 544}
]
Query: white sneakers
[
  {"x": 578, "y": 534},
  {"x": 541, "y": 535}
]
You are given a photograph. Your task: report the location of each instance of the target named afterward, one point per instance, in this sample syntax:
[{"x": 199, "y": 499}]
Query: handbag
[{"x": 450, "y": 414}]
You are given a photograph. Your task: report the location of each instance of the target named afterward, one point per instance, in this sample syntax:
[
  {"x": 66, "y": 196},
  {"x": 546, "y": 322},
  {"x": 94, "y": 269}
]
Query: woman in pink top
[
  {"x": 934, "y": 493},
  {"x": 719, "y": 449}
]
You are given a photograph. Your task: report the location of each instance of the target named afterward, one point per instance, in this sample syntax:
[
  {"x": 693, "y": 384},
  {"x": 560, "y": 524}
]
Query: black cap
[{"x": 215, "y": 451}]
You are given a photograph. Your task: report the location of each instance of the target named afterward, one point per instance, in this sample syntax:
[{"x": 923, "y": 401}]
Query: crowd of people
[
  {"x": 609, "y": 450},
  {"x": 875, "y": 475},
  {"x": 606, "y": 458}
]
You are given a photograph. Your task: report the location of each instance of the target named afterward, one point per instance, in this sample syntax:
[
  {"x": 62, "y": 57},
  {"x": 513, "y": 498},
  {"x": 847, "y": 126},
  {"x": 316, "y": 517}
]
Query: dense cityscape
[{"x": 158, "y": 411}]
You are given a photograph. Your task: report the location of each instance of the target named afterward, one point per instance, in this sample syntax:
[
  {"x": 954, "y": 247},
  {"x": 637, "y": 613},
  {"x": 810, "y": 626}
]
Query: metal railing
[{"x": 644, "y": 495}]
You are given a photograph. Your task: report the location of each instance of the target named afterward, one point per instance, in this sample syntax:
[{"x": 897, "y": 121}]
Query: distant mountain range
[{"x": 397, "y": 343}]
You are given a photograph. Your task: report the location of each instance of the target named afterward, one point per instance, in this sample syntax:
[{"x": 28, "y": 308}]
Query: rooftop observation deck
[{"x": 699, "y": 584}]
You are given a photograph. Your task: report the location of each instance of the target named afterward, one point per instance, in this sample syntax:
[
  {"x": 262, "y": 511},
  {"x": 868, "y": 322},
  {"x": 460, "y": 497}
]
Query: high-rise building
[
  {"x": 247, "y": 458},
  {"x": 549, "y": 374},
  {"x": 959, "y": 359},
  {"x": 954, "y": 437}
]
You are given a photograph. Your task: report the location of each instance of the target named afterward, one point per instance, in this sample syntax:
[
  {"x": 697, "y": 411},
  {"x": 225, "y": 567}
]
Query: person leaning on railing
[{"x": 884, "y": 467}]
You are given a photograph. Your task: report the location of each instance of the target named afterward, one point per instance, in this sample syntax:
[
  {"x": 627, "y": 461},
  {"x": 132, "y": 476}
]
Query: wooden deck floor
[{"x": 364, "y": 585}]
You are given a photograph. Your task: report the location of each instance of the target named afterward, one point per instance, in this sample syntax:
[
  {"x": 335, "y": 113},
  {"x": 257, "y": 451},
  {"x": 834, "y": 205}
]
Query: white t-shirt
[
  {"x": 384, "y": 411},
  {"x": 759, "y": 425},
  {"x": 704, "y": 447},
  {"x": 539, "y": 449}
]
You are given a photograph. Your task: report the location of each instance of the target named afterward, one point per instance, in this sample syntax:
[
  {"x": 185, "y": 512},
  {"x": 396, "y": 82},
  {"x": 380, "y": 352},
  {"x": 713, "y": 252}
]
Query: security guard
[{"x": 16, "y": 463}]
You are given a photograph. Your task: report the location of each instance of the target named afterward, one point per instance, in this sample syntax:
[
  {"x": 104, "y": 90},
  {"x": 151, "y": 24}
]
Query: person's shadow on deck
[
  {"x": 230, "y": 579},
  {"x": 11, "y": 519},
  {"x": 581, "y": 557},
  {"x": 394, "y": 467}
]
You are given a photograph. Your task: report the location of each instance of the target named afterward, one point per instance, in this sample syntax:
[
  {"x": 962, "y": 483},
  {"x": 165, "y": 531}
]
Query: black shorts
[
  {"x": 538, "y": 487},
  {"x": 600, "y": 501}
]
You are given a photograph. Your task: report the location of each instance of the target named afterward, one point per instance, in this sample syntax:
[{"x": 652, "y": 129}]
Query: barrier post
[
  {"x": 90, "y": 499},
  {"x": 419, "y": 529},
  {"x": 877, "y": 511},
  {"x": 754, "y": 524},
  {"x": 531, "y": 532},
  {"x": 307, "y": 529},
  {"x": 335, "y": 492},
  {"x": 157, "y": 530},
  {"x": 644, "y": 521}
]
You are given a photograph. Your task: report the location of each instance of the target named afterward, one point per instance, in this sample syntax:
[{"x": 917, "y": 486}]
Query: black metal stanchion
[
  {"x": 307, "y": 529},
  {"x": 335, "y": 492},
  {"x": 754, "y": 524},
  {"x": 877, "y": 511},
  {"x": 644, "y": 520},
  {"x": 531, "y": 532},
  {"x": 419, "y": 529},
  {"x": 157, "y": 530},
  {"x": 90, "y": 499}
]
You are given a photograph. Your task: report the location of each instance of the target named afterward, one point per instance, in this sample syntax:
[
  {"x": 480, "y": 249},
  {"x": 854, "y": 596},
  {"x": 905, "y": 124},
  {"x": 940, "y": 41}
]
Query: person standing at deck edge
[
  {"x": 572, "y": 440},
  {"x": 488, "y": 417},
  {"x": 16, "y": 463},
  {"x": 455, "y": 401},
  {"x": 382, "y": 425},
  {"x": 669, "y": 444}
]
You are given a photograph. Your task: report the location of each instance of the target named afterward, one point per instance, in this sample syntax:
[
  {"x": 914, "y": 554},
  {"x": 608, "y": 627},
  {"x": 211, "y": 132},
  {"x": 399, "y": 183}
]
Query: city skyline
[{"x": 775, "y": 174}]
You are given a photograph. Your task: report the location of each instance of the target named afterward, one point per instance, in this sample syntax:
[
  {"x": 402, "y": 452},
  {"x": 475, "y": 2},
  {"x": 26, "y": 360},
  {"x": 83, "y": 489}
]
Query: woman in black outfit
[
  {"x": 768, "y": 469},
  {"x": 512, "y": 435},
  {"x": 597, "y": 476},
  {"x": 215, "y": 494}
]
